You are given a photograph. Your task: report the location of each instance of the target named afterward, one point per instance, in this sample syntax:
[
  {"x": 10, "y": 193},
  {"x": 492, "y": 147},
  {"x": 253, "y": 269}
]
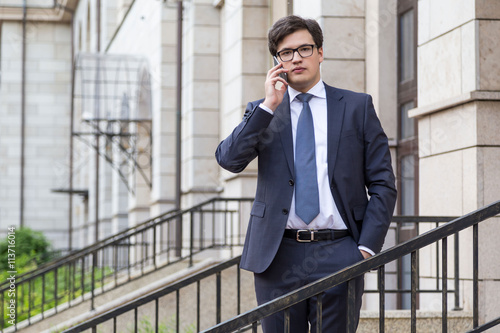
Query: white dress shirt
[{"x": 329, "y": 216}]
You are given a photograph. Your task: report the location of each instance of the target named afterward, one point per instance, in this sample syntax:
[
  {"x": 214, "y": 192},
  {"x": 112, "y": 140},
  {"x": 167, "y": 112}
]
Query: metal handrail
[
  {"x": 154, "y": 296},
  {"x": 376, "y": 262},
  {"x": 88, "y": 249},
  {"x": 74, "y": 270},
  {"x": 243, "y": 321}
]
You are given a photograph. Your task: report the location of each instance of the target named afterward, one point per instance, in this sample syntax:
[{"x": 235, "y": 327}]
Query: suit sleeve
[
  {"x": 242, "y": 145},
  {"x": 379, "y": 181}
]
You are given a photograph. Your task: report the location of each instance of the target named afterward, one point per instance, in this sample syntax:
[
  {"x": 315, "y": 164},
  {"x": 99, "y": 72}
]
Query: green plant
[{"x": 31, "y": 248}]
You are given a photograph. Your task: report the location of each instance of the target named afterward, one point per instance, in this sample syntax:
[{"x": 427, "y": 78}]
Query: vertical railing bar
[
  {"x": 213, "y": 221},
  {"x": 254, "y": 327},
  {"x": 129, "y": 245},
  {"x": 115, "y": 264},
  {"x": 143, "y": 247},
  {"x": 92, "y": 284},
  {"x": 475, "y": 276},
  {"x": 457, "y": 272},
  {"x": 2, "y": 311},
  {"x": 319, "y": 313},
  {"x": 198, "y": 307},
  {"x": 191, "y": 238},
  {"x": 15, "y": 311},
  {"x": 43, "y": 295},
  {"x": 437, "y": 261},
  {"x": 82, "y": 278},
  {"x": 218, "y": 297},
  {"x": 72, "y": 282},
  {"x": 114, "y": 324},
  {"x": 230, "y": 242},
  {"x": 55, "y": 289},
  {"x": 444, "y": 315},
  {"x": 413, "y": 292},
  {"x": 202, "y": 222},
  {"x": 67, "y": 285},
  {"x": 381, "y": 289},
  {"x": 351, "y": 307},
  {"x": 157, "y": 315},
  {"x": 287, "y": 320},
  {"x": 154, "y": 247},
  {"x": 29, "y": 302},
  {"x": 177, "y": 310},
  {"x": 103, "y": 266},
  {"x": 136, "y": 321},
  {"x": 238, "y": 288}
]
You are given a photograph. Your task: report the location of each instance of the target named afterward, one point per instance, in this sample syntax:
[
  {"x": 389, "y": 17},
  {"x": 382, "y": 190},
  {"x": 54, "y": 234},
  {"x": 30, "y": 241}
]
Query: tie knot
[{"x": 304, "y": 97}]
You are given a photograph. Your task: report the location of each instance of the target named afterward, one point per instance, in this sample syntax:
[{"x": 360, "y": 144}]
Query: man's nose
[{"x": 299, "y": 57}]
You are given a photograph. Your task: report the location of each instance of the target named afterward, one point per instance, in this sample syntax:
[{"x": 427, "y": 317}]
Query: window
[{"x": 407, "y": 146}]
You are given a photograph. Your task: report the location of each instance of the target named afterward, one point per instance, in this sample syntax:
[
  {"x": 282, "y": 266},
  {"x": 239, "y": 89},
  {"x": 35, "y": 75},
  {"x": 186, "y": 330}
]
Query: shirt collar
[{"x": 317, "y": 91}]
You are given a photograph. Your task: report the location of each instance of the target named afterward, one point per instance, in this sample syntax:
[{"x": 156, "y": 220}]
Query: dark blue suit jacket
[{"x": 359, "y": 163}]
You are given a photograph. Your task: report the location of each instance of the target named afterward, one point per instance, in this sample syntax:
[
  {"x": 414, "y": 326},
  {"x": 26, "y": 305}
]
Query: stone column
[
  {"x": 200, "y": 101},
  {"x": 458, "y": 119},
  {"x": 164, "y": 117},
  {"x": 245, "y": 60}
]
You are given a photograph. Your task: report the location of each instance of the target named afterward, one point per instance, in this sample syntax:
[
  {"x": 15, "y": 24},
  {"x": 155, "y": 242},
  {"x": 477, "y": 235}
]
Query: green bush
[{"x": 31, "y": 249}]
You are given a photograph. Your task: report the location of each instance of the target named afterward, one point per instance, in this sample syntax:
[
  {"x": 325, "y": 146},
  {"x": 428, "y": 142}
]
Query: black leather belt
[{"x": 307, "y": 236}]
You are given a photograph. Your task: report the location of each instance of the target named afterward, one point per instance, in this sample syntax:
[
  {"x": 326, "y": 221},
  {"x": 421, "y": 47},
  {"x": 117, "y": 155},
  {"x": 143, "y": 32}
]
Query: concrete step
[{"x": 397, "y": 321}]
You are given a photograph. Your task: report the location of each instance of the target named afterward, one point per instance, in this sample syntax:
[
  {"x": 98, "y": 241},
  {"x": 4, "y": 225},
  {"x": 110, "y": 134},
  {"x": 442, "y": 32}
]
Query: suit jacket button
[
  {"x": 285, "y": 211},
  {"x": 291, "y": 182}
]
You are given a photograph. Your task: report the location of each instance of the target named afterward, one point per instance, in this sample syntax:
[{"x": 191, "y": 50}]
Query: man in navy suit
[{"x": 325, "y": 189}]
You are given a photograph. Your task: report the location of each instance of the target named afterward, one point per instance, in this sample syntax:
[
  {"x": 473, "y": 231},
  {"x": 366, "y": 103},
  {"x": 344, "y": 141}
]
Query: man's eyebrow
[{"x": 291, "y": 48}]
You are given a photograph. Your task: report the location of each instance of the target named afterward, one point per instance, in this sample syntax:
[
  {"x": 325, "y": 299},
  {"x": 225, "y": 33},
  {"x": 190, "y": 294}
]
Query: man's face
[{"x": 303, "y": 73}]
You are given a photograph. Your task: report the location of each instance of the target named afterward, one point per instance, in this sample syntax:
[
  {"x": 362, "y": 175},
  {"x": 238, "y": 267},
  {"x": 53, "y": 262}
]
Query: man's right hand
[{"x": 274, "y": 96}]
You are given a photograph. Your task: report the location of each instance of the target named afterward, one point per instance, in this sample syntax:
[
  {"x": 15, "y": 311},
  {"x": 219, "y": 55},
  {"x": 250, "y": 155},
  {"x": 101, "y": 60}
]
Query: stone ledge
[
  {"x": 472, "y": 96},
  {"x": 397, "y": 321}
]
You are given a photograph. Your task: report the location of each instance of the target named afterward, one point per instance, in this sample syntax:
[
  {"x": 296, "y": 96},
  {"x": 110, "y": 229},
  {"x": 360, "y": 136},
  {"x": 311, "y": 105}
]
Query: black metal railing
[
  {"x": 249, "y": 320},
  {"x": 201, "y": 298},
  {"x": 378, "y": 262},
  {"x": 110, "y": 263}
]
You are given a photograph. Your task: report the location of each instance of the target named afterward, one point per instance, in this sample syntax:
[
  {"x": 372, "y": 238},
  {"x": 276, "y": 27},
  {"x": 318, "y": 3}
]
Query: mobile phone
[{"x": 282, "y": 75}]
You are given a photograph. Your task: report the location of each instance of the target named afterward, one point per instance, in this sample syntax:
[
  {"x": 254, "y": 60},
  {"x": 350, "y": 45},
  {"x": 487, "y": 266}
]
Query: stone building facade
[{"x": 431, "y": 66}]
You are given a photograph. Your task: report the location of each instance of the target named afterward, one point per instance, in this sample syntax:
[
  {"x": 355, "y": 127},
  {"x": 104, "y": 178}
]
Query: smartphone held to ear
[{"x": 282, "y": 75}]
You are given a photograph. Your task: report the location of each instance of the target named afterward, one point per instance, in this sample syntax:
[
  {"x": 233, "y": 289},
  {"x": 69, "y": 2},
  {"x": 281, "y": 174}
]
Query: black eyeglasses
[{"x": 304, "y": 51}]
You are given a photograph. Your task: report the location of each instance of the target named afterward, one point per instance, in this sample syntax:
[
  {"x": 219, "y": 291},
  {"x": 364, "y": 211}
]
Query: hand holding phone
[{"x": 282, "y": 75}]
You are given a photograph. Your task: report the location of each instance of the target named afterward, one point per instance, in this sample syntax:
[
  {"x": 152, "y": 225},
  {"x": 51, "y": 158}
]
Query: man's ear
[{"x": 320, "y": 53}]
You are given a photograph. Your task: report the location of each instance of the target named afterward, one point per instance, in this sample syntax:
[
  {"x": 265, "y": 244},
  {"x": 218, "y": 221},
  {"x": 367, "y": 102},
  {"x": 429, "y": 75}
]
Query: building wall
[
  {"x": 458, "y": 113},
  {"x": 47, "y": 106}
]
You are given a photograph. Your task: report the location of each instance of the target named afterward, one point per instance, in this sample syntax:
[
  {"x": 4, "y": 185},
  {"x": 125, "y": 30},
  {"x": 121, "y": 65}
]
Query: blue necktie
[{"x": 306, "y": 179}]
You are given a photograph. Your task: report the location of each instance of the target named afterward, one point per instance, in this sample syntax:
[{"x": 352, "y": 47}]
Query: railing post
[
  {"x": 319, "y": 313},
  {"x": 351, "y": 305},
  {"x": 218, "y": 298},
  {"x": 444, "y": 284},
  {"x": 287, "y": 320},
  {"x": 457, "y": 272},
  {"x": 381, "y": 289},
  {"x": 92, "y": 285},
  {"x": 475, "y": 276},
  {"x": 191, "y": 238},
  {"x": 414, "y": 292}
]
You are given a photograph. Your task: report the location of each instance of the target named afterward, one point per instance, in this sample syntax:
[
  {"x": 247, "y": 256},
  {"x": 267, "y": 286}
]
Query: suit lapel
[
  {"x": 336, "y": 108},
  {"x": 284, "y": 126}
]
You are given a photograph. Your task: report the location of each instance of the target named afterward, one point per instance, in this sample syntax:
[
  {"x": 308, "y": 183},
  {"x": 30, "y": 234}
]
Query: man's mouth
[{"x": 298, "y": 69}]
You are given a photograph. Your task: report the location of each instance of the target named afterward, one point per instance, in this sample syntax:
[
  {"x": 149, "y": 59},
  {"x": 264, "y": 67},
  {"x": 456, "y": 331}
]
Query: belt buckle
[{"x": 305, "y": 240}]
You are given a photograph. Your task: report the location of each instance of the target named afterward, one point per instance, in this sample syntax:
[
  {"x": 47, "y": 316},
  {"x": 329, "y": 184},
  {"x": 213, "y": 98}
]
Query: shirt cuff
[
  {"x": 364, "y": 248},
  {"x": 265, "y": 108}
]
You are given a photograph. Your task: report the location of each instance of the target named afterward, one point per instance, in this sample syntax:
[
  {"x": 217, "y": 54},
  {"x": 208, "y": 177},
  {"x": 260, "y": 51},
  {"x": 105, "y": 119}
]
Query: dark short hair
[{"x": 288, "y": 25}]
